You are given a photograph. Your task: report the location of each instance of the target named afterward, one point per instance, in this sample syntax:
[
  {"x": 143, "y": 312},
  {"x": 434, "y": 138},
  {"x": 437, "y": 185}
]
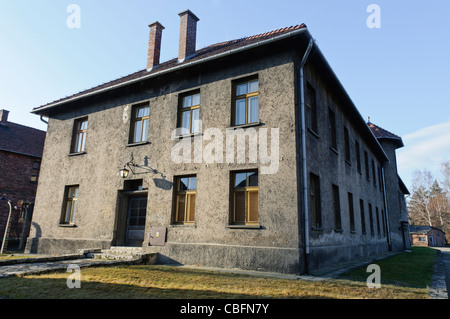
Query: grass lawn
[
  {"x": 157, "y": 281},
  {"x": 15, "y": 256},
  {"x": 414, "y": 269}
]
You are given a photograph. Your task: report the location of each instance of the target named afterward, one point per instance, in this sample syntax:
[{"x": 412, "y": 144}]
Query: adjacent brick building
[
  {"x": 21, "y": 150},
  {"x": 427, "y": 236},
  {"x": 112, "y": 175}
]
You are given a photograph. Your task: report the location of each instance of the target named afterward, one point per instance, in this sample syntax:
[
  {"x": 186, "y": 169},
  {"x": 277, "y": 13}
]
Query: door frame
[{"x": 120, "y": 230}]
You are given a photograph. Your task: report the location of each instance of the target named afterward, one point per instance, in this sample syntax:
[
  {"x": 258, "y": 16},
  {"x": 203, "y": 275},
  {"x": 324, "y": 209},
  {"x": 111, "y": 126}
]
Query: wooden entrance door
[{"x": 135, "y": 226}]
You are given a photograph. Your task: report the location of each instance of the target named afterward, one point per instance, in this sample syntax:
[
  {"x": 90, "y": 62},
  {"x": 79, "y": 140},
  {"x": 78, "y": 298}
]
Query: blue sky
[{"x": 397, "y": 74}]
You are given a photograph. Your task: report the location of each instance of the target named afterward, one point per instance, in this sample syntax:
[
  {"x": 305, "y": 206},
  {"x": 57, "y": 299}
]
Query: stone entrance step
[{"x": 125, "y": 253}]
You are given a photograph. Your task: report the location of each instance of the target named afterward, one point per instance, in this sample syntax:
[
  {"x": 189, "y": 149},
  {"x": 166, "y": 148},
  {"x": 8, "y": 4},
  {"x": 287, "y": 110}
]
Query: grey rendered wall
[
  {"x": 210, "y": 242},
  {"x": 328, "y": 245}
]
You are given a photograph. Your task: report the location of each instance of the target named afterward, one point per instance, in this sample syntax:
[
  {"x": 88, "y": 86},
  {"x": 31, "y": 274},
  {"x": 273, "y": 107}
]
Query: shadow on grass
[{"x": 46, "y": 288}]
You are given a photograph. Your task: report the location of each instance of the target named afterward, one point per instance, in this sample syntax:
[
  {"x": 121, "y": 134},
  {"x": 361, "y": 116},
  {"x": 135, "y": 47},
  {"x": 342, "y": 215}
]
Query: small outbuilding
[{"x": 427, "y": 236}]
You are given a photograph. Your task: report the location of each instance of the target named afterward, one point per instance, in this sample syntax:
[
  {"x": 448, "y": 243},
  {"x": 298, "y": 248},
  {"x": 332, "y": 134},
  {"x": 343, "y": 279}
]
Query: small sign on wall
[{"x": 157, "y": 236}]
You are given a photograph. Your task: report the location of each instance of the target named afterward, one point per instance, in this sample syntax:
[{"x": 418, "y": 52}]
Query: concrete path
[
  {"x": 43, "y": 264},
  {"x": 441, "y": 279}
]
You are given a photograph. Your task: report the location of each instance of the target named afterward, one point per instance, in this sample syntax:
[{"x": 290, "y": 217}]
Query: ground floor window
[
  {"x": 70, "y": 204},
  {"x": 185, "y": 194},
  {"x": 245, "y": 198}
]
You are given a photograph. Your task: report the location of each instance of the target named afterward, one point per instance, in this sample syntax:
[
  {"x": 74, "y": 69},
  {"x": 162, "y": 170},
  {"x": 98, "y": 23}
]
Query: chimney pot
[
  {"x": 188, "y": 35},
  {"x": 154, "y": 45},
  {"x": 4, "y": 116}
]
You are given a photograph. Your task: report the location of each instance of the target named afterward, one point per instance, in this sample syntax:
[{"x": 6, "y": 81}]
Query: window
[
  {"x": 189, "y": 113},
  {"x": 336, "y": 208},
  {"x": 347, "y": 144},
  {"x": 246, "y": 102},
  {"x": 311, "y": 108},
  {"x": 70, "y": 205},
  {"x": 314, "y": 189},
  {"x": 186, "y": 191},
  {"x": 363, "y": 216},
  {"x": 371, "y": 220},
  {"x": 79, "y": 136},
  {"x": 332, "y": 120},
  {"x": 366, "y": 164},
  {"x": 373, "y": 174},
  {"x": 358, "y": 157},
  {"x": 35, "y": 172},
  {"x": 379, "y": 179},
  {"x": 383, "y": 220},
  {"x": 139, "y": 123},
  {"x": 351, "y": 212},
  {"x": 378, "y": 221},
  {"x": 245, "y": 198},
  {"x": 423, "y": 239}
]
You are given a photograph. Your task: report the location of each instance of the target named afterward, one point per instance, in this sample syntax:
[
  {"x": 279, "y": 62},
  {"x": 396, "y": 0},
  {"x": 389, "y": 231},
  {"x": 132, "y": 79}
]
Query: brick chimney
[
  {"x": 188, "y": 35},
  {"x": 154, "y": 45},
  {"x": 4, "y": 116}
]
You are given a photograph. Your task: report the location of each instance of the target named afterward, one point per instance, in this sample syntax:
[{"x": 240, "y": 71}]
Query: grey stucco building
[{"x": 153, "y": 160}]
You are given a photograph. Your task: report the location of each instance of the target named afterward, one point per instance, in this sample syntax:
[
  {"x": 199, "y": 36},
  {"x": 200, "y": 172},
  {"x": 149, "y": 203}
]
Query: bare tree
[{"x": 429, "y": 203}]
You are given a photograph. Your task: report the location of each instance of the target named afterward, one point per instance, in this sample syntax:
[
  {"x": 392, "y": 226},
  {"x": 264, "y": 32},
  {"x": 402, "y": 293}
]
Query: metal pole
[{"x": 6, "y": 234}]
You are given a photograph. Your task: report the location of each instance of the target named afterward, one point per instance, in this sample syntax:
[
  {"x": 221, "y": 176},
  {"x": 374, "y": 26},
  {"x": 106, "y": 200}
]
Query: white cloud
[{"x": 426, "y": 148}]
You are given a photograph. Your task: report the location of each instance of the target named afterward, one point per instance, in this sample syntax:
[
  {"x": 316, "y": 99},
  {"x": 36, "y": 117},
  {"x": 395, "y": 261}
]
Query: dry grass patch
[{"x": 139, "y": 282}]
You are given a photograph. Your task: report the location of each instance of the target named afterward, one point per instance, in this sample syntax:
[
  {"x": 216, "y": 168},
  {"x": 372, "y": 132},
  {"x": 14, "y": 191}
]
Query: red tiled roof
[
  {"x": 209, "y": 51},
  {"x": 381, "y": 133},
  {"x": 21, "y": 139}
]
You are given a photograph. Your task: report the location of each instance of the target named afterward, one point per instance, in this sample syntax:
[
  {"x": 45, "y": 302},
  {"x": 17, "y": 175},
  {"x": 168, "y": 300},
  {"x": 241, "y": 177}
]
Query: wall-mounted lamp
[{"x": 124, "y": 172}]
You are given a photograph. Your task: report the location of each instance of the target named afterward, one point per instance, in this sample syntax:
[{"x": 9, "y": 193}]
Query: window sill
[
  {"x": 244, "y": 226},
  {"x": 348, "y": 163},
  {"x": 234, "y": 127},
  {"x": 184, "y": 225},
  {"x": 137, "y": 144},
  {"x": 68, "y": 225},
  {"x": 338, "y": 230},
  {"x": 313, "y": 133},
  {"x": 317, "y": 228},
  {"x": 77, "y": 154},
  {"x": 179, "y": 137},
  {"x": 334, "y": 150}
]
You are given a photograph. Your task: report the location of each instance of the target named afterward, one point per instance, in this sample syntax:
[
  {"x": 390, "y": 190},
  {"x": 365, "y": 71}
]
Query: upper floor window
[
  {"x": 189, "y": 113},
  {"x": 311, "y": 108},
  {"x": 70, "y": 205},
  {"x": 358, "y": 157},
  {"x": 246, "y": 102},
  {"x": 79, "y": 137},
  {"x": 185, "y": 194},
  {"x": 332, "y": 124},
  {"x": 245, "y": 198},
  {"x": 347, "y": 144},
  {"x": 35, "y": 172},
  {"x": 139, "y": 123},
  {"x": 366, "y": 164}
]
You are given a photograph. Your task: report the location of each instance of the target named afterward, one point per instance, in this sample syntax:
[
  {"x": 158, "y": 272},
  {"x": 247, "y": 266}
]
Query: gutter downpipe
[
  {"x": 386, "y": 211},
  {"x": 304, "y": 175},
  {"x": 42, "y": 119}
]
